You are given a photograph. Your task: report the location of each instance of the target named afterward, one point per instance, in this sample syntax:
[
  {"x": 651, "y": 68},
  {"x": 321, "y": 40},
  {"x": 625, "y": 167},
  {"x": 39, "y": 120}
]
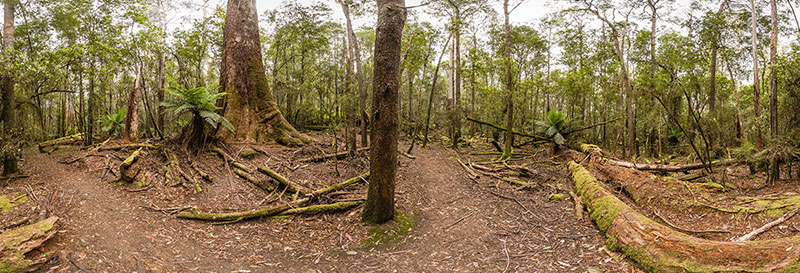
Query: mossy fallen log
[
  {"x": 289, "y": 185},
  {"x": 322, "y": 208},
  {"x": 72, "y": 139},
  {"x": 126, "y": 171},
  {"x": 659, "y": 248},
  {"x": 325, "y": 157},
  {"x": 593, "y": 149},
  {"x": 15, "y": 245},
  {"x": 194, "y": 214}
]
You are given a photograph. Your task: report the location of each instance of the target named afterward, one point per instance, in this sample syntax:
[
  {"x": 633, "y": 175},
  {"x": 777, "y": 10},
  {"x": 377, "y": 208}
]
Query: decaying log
[
  {"x": 578, "y": 204},
  {"x": 127, "y": 146},
  {"x": 193, "y": 214},
  {"x": 126, "y": 172},
  {"x": 15, "y": 245},
  {"x": 767, "y": 226},
  {"x": 504, "y": 129},
  {"x": 322, "y": 208},
  {"x": 73, "y": 139},
  {"x": 289, "y": 185},
  {"x": 588, "y": 148},
  {"x": 324, "y": 157},
  {"x": 659, "y": 248}
]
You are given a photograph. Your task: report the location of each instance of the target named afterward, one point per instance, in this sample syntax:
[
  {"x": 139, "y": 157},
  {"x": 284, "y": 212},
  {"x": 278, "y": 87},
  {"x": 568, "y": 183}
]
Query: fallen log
[
  {"x": 193, "y": 214},
  {"x": 127, "y": 146},
  {"x": 520, "y": 185},
  {"x": 325, "y": 157},
  {"x": 126, "y": 172},
  {"x": 289, "y": 185},
  {"x": 322, "y": 208},
  {"x": 16, "y": 244},
  {"x": 504, "y": 129},
  {"x": 658, "y": 248},
  {"x": 72, "y": 139},
  {"x": 588, "y": 148}
]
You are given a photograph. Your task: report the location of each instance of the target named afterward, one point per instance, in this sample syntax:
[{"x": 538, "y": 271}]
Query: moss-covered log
[
  {"x": 194, "y": 214},
  {"x": 73, "y": 139},
  {"x": 324, "y": 157},
  {"x": 15, "y": 245},
  {"x": 289, "y": 185},
  {"x": 322, "y": 208},
  {"x": 588, "y": 148},
  {"x": 659, "y": 248},
  {"x": 127, "y": 173}
]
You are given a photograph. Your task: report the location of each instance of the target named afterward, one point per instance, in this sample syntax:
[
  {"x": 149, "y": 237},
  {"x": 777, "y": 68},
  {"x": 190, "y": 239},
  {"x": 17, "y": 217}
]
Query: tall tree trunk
[
  {"x": 457, "y": 87},
  {"x": 379, "y": 206},
  {"x": 7, "y": 85},
  {"x": 90, "y": 105},
  {"x": 350, "y": 136},
  {"x": 362, "y": 85},
  {"x": 162, "y": 68},
  {"x": 132, "y": 117},
  {"x": 756, "y": 86},
  {"x": 509, "y": 82},
  {"x": 773, "y": 90},
  {"x": 249, "y": 104},
  {"x": 433, "y": 89}
]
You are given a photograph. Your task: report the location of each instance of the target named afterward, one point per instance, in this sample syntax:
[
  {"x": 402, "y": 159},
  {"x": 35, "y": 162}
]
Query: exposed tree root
[
  {"x": 325, "y": 157},
  {"x": 659, "y": 248},
  {"x": 767, "y": 226},
  {"x": 271, "y": 211},
  {"x": 15, "y": 245}
]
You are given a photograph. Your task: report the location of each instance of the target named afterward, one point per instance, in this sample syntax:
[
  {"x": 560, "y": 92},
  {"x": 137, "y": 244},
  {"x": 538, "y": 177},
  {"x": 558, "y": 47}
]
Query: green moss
[
  {"x": 556, "y": 197},
  {"x": 378, "y": 235},
  {"x": 248, "y": 153},
  {"x": 7, "y": 203}
]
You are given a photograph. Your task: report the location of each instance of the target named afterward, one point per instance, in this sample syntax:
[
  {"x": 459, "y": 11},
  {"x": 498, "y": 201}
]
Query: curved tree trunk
[
  {"x": 249, "y": 104},
  {"x": 379, "y": 206}
]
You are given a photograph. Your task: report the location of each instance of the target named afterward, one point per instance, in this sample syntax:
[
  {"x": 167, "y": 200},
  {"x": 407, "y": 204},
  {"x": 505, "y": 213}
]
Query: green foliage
[
  {"x": 675, "y": 134},
  {"x": 113, "y": 122},
  {"x": 554, "y": 125},
  {"x": 198, "y": 101}
]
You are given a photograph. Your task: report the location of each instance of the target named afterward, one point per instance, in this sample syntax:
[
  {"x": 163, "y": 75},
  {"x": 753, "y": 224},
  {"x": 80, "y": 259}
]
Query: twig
[
  {"x": 459, "y": 221},
  {"x": 83, "y": 268},
  {"x": 508, "y": 258},
  {"x": 766, "y": 227},
  {"x": 470, "y": 173}
]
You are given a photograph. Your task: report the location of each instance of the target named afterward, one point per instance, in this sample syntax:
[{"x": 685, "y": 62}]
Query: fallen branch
[
  {"x": 289, "y": 185},
  {"x": 72, "y": 139},
  {"x": 521, "y": 185},
  {"x": 325, "y": 157},
  {"x": 588, "y": 148},
  {"x": 767, "y": 226},
  {"x": 470, "y": 173},
  {"x": 322, "y": 208},
  {"x": 504, "y": 129},
  {"x": 244, "y": 215},
  {"x": 14, "y": 176},
  {"x": 591, "y": 126}
]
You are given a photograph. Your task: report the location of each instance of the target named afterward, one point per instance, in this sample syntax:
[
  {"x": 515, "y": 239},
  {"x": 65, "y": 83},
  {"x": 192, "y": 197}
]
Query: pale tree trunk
[
  {"x": 773, "y": 90},
  {"x": 379, "y": 206},
  {"x": 7, "y": 84},
  {"x": 350, "y": 107},
  {"x": 132, "y": 117},
  {"x": 162, "y": 71},
  {"x": 756, "y": 86},
  {"x": 457, "y": 87},
  {"x": 362, "y": 85},
  {"x": 430, "y": 97},
  {"x": 249, "y": 104},
  {"x": 509, "y": 82}
]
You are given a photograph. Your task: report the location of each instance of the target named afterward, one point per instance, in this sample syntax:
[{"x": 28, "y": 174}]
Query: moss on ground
[
  {"x": 7, "y": 203},
  {"x": 379, "y": 235}
]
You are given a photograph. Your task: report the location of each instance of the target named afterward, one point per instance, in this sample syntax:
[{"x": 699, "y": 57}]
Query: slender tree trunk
[
  {"x": 362, "y": 85},
  {"x": 132, "y": 117},
  {"x": 90, "y": 105},
  {"x": 350, "y": 135},
  {"x": 457, "y": 88},
  {"x": 249, "y": 104},
  {"x": 7, "y": 84},
  {"x": 773, "y": 90},
  {"x": 756, "y": 85},
  {"x": 433, "y": 89},
  {"x": 379, "y": 206},
  {"x": 509, "y": 82}
]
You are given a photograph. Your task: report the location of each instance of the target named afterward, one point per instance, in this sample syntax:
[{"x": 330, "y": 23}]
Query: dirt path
[{"x": 459, "y": 226}]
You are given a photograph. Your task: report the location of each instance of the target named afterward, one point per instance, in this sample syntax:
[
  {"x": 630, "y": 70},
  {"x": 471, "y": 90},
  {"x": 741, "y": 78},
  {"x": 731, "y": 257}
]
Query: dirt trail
[{"x": 459, "y": 226}]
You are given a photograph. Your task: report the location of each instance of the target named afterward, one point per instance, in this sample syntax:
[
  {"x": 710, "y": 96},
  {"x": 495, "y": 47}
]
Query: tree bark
[
  {"x": 509, "y": 82},
  {"x": 249, "y": 104},
  {"x": 132, "y": 118},
  {"x": 433, "y": 89},
  {"x": 379, "y": 206},
  {"x": 7, "y": 84},
  {"x": 774, "y": 173},
  {"x": 756, "y": 86}
]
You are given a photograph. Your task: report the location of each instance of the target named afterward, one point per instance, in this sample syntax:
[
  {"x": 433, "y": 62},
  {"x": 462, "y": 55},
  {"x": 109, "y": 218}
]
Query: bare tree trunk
[
  {"x": 773, "y": 90},
  {"x": 379, "y": 206},
  {"x": 90, "y": 105},
  {"x": 7, "y": 84},
  {"x": 362, "y": 85},
  {"x": 509, "y": 82},
  {"x": 132, "y": 117},
  {"x": 756, "y": 86},
  {"x": 249, "y": 104},
  {"x": 457, "y": 87},
  {"x": 433, "y": 89}
]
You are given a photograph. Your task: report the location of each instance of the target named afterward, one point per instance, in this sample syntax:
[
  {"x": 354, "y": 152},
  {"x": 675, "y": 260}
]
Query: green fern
[
  {"x": 199, "y": 101},
  {"x": 555, "y": 124},
  {"x": 112, "y": 123}
]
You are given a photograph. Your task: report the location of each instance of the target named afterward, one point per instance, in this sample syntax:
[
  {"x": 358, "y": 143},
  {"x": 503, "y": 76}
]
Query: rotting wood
[
  {"x": 325, "y": 157},
  {"x": 322, "y": 208},
  {"x": 193, "y": 214},
  {"x": 126, "y": 172},
  {"x": 520, "y": 185},
  {"x": 15, "y": 245},
  {"x": 72, "y": 139},
  {"x": 767, "y": 226},
  {"x": 658, "y": 248},
  {"x": 289, "y": 185},
  {"x": 676, "y": 227},
  {"x": 588, "y": 148},
  {"x": 578, "y": 204}
]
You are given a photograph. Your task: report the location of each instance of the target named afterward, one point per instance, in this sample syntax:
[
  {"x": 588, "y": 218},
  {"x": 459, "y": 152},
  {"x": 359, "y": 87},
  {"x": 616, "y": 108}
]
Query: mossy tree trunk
[
  {"x": 249, "y": 104},
  {"x": 379, "y": 207}
]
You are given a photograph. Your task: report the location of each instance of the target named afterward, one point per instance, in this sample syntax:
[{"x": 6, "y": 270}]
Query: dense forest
[{"x": 666, "y": 131}]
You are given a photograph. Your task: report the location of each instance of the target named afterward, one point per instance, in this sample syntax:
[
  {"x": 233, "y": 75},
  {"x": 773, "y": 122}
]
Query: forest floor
[{"x": 448, "y": 222}]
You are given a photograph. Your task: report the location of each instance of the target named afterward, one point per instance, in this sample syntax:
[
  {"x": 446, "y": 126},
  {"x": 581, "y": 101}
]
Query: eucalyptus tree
[
  {"x": 355, "y": 51},
  {"x": 10, "y": 153},
  {"x": 756, "y": 85}
]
